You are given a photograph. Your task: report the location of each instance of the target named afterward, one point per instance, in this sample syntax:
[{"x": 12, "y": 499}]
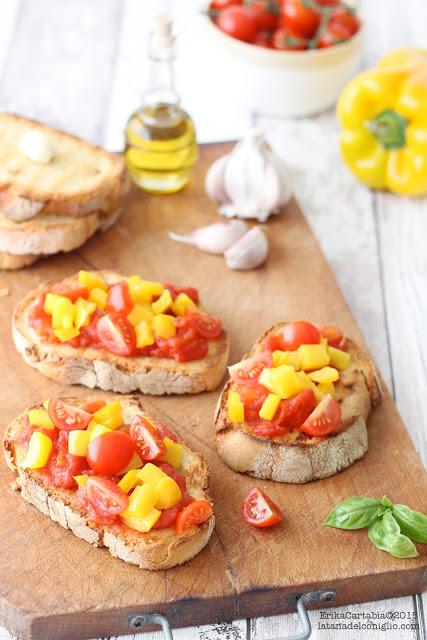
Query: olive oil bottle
[{"x": 161, "y": 148}]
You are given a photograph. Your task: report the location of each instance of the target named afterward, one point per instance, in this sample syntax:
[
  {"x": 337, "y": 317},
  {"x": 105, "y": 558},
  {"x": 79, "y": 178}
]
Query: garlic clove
[
  {"x": 249, "y": 252},
  {"x": 214, "y": 238},
  {"x": 214, "y": 182}
]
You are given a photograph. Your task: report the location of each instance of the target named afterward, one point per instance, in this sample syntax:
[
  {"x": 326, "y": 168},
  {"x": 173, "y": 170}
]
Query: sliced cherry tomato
[
  {"x": 259, "y": 510},
  {"x": 263, "y": 39},
  {"x": 116, "y": 334},
  {"x": 193, "y": 514},
  {"x": 296, "y": 333},
  {"x": 324, "y": 419},
  {"x": 176, "y": 475},
  {"x": 217, "y": 5},
  {"x": 147, "y": 439},
  {"x": 206, "y": 326},
  {"x": 168, "y": 516},
  {"x": 164, "y": 432},
  {"x": 73, "y": 292},
  {"x": 62, "y": 468},
  {"x": 284, "y": 39},
  {"x": 105, "y": 496},
  {"x": 109, "y": 453},
  {"x": 345, "y": 18},
  {"x": 194, "y": 350},
  {"x": 266, "y": 13},
  {"x": 290, "y": 415},
  {"x": 300, "y": 18},
  {"x": 252, "y": 396},
  {"x": 333, "y": 335},
  {"x": 238, "y": 22},
  {"x": 119, "y": 298},
  {"x": 248, "y": 371},
  {"x": 190, "y": 291},
  {"x": 93, "y": 405},
  {"x": 67, "y": 416}
]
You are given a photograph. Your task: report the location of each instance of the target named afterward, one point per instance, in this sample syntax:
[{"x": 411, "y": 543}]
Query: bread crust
[
  {"x": 97, "y": 368},
  {"x": 296, "y": 457},
  {"x": 155, "y": 550}
]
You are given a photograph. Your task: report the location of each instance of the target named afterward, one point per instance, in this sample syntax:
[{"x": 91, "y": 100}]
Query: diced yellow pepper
[
  {"x": 318, "y": 393},
  {"x": 339, "y": 358},
  {"x": 141, "y": 501},
  {"x": 39, "y": 449},
  {"x": 128, "y": 481},
  {"x": 173, "y": 453},
  {"x": 163, "y": 303},
  {"x": 270, "y": 406},
  {"x": 64, "y": 335},
  {"x": 283, "y": 381},
  {"x": 286, "y": 357},
  {"x": 78, "y": 441},
  {"x": 324, "y": 375},
  {"x": 142, "y": 524},
  {"x": 140, "y": 312},
  {"x": 236, "y": 409},
  {"x": 40, "y": 418},
  {"x": 164, "y": 326},
  {"x": 84, "y": 310},
  {"x": 324, "y": 341},
  {"x": 95, "y": 430},
  {"x": 327, "y": 389},
  {"x": 63, "y": 313},
  {"x": 144, "y": 335},
  {"x": 181, "y": 303},
  {"x": 111, "y": 415},
  {"x": 134, "y": 463},
  {"x": 91, "y": 281},
  {"x": 305, "y": 380},
  {"x": 49, "y": 301},
  {"x": 81, "y": 480},
  {"x": 99, "y": 297},
  {"x": 143, "y": 290},
  {"x": 313, "y": 356},
  {"x": 169, "y": 493},
  {"x": 151, "y": 475}
]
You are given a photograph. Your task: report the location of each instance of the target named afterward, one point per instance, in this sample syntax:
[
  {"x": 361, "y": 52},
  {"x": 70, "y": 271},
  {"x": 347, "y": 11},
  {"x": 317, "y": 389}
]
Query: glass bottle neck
[{"x": 161, "y": 81}]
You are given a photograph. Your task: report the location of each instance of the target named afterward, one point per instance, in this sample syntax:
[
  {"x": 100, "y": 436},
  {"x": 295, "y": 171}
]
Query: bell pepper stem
[{"x": 389, "y": 128}]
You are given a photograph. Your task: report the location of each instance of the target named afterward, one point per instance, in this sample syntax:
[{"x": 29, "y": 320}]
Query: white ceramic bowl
[{"x": 283, "y": 83}]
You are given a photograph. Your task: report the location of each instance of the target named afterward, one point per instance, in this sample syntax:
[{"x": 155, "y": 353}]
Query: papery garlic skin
[
  {"x": 249, "y": 252},
  {"x": 214, "y": 238},
  {"x": 251, "y": 181}
]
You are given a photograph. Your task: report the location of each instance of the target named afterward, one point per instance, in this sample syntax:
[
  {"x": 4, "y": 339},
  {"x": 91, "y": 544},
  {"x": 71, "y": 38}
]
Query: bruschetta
[
  {"x": 114, "y": 476},
  {"x": 295, "y": 408},
  {"x": 102, "y": 329}
]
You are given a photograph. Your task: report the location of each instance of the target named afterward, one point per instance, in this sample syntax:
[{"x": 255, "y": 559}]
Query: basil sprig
[{"x": 391, "y": 527}]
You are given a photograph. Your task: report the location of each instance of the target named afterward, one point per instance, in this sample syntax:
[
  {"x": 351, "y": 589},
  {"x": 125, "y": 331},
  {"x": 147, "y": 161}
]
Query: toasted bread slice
[
  {"x": 296, "y": 457},
  {"x": 155, "y": 550},
  {"x": 78, "y": 174},
  {"x": 98, "y": 368}
]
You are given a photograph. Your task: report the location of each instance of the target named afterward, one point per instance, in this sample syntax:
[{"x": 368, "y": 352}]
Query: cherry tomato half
[
  {"x": 290, "y": 415},
  {"x": 259, "y": 510},
  {"x": 300, "y": 18},
  {"x": 252, "y": 395},
  {"x": 206, "y": 326},
  {"x": 105, "y": 496},
  {"x": 146, "y": 438},
  {"x": 197, "y": 512},
  {"x": 333, "y": 335},
  {"x": 168, "y": 516},
  {"x": 238, "y": 22},
  {"x": 93, "y": 405},
  {"x": 324, "y": 419},
  {"x": 68, "y": 417},
  {"x": 190, "y": 291},
  {"x": 296, "y": 333},
  {"x": 109, "y": 453},
  {"x": 116, "y": 334},
  {"x": 248, "y": 371},
  {"x": 119, "y": 298}
]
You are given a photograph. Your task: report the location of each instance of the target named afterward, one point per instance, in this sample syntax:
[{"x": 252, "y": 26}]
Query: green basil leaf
[
  {"x": 412, "y": 523},
  {"x": 353, "y": 513},
  {"x": 386, "y": 502},
  {"x": 385, "y": 534}
]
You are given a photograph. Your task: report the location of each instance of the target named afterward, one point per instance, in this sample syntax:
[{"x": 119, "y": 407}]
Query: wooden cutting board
[{"x": 55, "y": 585}]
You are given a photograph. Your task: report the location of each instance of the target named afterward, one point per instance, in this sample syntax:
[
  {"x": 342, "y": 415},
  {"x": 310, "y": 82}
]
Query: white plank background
[{"x": 80, "y": 65}]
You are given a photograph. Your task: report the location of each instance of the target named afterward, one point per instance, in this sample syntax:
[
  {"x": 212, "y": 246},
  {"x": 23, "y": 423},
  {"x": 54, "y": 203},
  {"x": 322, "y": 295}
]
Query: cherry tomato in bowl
[
  {"x": 238, "y": 22},
  {"x": 298, "y": 16},
  {"x": 266, "y": 14},
  {"x": 259, "y": 510},
  {"x": 286, "y": 40}
]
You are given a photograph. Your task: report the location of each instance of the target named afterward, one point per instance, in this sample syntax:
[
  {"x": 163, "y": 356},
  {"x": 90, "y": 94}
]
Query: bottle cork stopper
[{"x": 162, "y": 35}]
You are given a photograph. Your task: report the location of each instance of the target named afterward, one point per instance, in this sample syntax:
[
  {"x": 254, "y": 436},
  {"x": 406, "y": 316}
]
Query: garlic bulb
[
  {"x": 251, "y": 181},
  {"x": 215, "y": 238},
  {"x": 249, "y": 252}
]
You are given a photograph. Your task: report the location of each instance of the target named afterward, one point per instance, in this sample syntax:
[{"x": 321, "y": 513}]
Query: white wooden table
[{"x": 80, "y": 65}]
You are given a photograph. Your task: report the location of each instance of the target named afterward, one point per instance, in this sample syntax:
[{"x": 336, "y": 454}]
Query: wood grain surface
[{"x": 63, "y": 583}]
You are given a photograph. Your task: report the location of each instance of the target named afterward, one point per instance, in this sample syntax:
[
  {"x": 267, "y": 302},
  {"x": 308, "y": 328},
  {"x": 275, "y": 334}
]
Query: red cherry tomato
[
  {"x": 63, "y": 467},
  {"x": 266, "y": 14},
  {"x": 119, "y": 298},
  {"x": 164, "y": 432},
  {"x": 93, "y": 405},
  {"x": 333, "y": 335},
  {"x": 296, "y": 333},
  {"x": 300, "y": 18},
  {"x": 67, "y": 416},
  {"x": 168, "y": 516},
  {"x": 109, "y": 453},
  {"x": 259, "y": 510},
  {"x": 105, "y": 496},
  {"x": 263, "y": 39},
  {"x": 116, "y": 334},
  {"x": 238, "y": 22},
  {"x": 252, "y": 396},
  {"x": 206, "y": 326},
  {"x": 73, "y": 292},
  {"x": 188, "y": 346},
  {"x": 190, "y": 291},
  {"x": 324, "y": 419},
  {"x": 345, "y": 18},
  {"x": 217, "y": 5},
  {"x": 333, "y": 34},
  {"x": 248, "y": 371},
  {"x": 197, "y": 512},
  {"x": 284, "y": 39},
  {"x": 290, "y": 415},
  {"x": 328, "y": 3},
  {"x": 146, "y": 439}
]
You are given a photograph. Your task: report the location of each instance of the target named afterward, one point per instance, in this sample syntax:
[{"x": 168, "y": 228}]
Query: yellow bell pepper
[
  {"x": 99, "y": 297},
  {"x": 325, "y": 375},
  {"x": 163, "y": 303},
  {"x": 38, "y": 452},
  {"x": 144, "y": 335},
  {"x": 78, "y": 441},
  {"x": 143, "y": 290},
  {"x": 84, "y": 309},
  {"x": 270, "y": 406},
  {"x": 173, "y": 453},
  {"x": 91, "y": 281},
  {"x": 128, "y": 481},
  {"x": 49, "y": 301},
  {"x": 236, "y": 410},
  {"x": 141, "y": 524},
  {"x": 305, "y": 380},
  {"x": 81, "y": 480},
  {"x": 286, "y": 357},
  {"x": 64, "y": 335},
  {"x": 338, "y": 358},
  {"x": 63, "y": 313},
  {"x": 40, "y": 418},
  {"x": 134, "y": 464},
  {"x": 110, "y": 415},
  {"x": 181, "y": 303},
  {"x": 383, "y": 113},
  {"x": 326, "y": 389},
  {"x": 140, "y": 312},
  {"x": 151, "y": 475},
  {"x": 313, "y": 356},
  {"x": 282, "y": 381},
  {"x": 94, "y": 430},
  {"x": 141, "y": 501},
  {"x": 164, "y": 326},
  {"x": 169, "y": 493}
]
